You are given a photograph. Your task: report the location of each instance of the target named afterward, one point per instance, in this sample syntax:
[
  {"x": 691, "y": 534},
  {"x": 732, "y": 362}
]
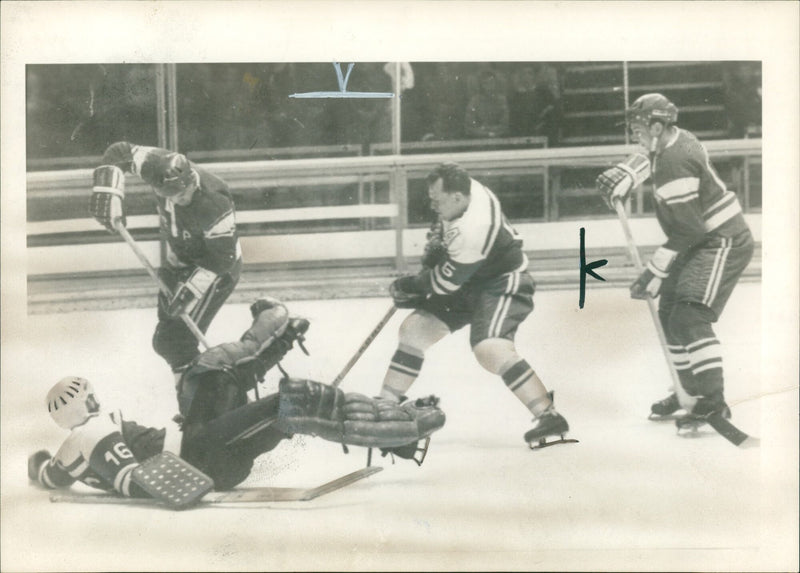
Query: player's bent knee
[
  {"x": 493, "y": 353},
  {"x": 422, "y": 330}
]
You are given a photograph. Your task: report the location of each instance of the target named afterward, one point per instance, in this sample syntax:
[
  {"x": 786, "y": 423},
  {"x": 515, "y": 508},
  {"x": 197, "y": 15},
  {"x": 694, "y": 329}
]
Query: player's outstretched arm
[{"x": 44, "y": 471}]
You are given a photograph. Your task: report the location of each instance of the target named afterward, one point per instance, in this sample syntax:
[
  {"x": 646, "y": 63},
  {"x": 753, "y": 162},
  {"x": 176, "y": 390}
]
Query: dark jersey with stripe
[
  {"x": 692, "y": 202},
  {"x": 95, "y": 454},
  {"x": 202, "y": 233},
  {"x": 481, "y": 245}
]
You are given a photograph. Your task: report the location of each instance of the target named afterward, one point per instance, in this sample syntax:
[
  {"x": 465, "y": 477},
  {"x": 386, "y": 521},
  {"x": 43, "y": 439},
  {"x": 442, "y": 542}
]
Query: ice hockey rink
[{"x": 631, "y": 495}]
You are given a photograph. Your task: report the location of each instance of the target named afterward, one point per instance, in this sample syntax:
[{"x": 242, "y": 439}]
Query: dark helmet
[
  {"x": 169, "y": 173},
  {"x": 652, "y": 107}
]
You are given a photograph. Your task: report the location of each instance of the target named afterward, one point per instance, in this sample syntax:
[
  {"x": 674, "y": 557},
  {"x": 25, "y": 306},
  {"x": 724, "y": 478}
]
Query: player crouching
[{"x": 223, "y": 432}]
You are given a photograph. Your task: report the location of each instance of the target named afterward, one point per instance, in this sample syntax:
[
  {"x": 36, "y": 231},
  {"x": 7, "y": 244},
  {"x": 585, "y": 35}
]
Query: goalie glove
[
  {"x": 405, "y": 292},
  {"x": 616, "y": 183},
  {"x": 649, "y": 282},
  {"x": 190, "y": 292},
  {"x": 108, "y": 192}
]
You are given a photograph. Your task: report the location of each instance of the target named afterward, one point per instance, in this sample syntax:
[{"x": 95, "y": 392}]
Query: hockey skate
[
  {"x": 548, "y": 423},
  {"x": 702, "y": 413},
  {"x": 664, "y": 409}
]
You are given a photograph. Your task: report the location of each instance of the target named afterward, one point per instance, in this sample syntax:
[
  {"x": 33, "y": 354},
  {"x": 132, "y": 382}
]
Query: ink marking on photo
[
  {"x": 343, "y": 93},
  {"x": 587, "y": 269}
]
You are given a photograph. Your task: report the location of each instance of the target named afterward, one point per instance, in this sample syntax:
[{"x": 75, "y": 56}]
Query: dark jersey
[
  {"x": 692, "y": 202},
  {"x": 202, "y": 233},
  {"x": 95, "y": 454},
  {"x": 481, "y": 246}
]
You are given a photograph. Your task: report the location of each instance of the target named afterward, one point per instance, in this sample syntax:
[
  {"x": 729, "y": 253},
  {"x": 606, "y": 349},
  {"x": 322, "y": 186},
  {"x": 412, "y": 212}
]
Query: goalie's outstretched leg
[{"x": 548, "y": 424}]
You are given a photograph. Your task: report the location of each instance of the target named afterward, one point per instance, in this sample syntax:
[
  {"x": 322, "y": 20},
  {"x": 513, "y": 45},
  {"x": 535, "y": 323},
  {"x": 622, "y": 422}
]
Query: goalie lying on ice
[{"x": 224, "y": 432}]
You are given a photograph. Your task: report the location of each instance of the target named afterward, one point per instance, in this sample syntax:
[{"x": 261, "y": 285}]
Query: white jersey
[
  {"x": 481, "y": 245},
  {"x": 96, "y": 454}
]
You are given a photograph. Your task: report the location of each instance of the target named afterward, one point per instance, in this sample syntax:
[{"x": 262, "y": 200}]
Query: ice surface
[{"x": 632, "y": 495}]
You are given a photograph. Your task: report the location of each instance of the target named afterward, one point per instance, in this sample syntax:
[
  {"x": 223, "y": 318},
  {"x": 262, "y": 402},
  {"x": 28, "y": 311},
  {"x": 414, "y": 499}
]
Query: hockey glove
[
  {"x": 616, "y": 183},
  {"x": 649, "y": 282},
  {"x": 105, "y": 204},
  {"x": 35, "y": 463},
  {"x": 406, "y": 293},
  {"x": 435, "y": 249},
  {"x": 190, "y": 292}
]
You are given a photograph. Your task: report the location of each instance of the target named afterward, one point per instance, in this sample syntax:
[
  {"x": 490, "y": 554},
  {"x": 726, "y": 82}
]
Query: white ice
[{"x": 632, "y": 495}]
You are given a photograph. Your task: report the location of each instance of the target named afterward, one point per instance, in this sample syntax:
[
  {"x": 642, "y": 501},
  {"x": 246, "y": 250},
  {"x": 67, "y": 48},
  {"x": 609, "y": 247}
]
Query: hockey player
[
  {"x": 708, "y": 247},
  {"x": 223, "y": 431},
  {"x": 203, "y": 255},
  {"x": 474, "y": 273},
  {"x": 102, "y": 450}
]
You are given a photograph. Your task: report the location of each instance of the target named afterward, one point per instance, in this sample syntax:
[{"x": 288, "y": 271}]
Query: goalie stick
[
  {"x": 120, "y": 228},
  {"x": 241, "y": 495},
  {"x": 723, "y": 427}
]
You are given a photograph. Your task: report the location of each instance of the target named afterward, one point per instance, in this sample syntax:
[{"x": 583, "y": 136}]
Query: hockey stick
[
  {"x": 364, "y": 346},
  {"x": 716, "y": 421},
  {"x": 241, "y": 495},
  {"x": 120, "y": 228},
  {"x": 683, "y": 397}
]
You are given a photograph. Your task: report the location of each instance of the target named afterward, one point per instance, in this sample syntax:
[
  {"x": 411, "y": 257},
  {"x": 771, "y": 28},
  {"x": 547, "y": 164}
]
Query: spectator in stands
[
  {"x": 361, "y": 121},
  {"x": 487, "y": 112},
  {"x": 443, "y": 87},
  {"x": 534, "y": 105},
  {"x": 742, "y": 87}
]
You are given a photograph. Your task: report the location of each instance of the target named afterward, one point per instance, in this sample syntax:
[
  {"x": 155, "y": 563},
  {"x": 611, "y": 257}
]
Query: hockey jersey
[
  {"x": 96, "y": 454},
  {"x": 691, "y": 200},
  {"x": 202, "y": 233},
  {"x": 481, "y": 245}
]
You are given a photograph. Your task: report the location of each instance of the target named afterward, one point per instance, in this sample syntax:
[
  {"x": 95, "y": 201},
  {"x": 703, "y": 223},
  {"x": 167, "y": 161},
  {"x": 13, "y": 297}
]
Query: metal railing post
[{"x": 400, "y": 197}]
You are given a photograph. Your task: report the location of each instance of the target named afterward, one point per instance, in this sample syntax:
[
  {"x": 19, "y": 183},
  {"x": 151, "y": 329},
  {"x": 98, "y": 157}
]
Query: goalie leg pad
[
  {"x": 169, "y": 479},
  {"x": 308, "y": 407}
]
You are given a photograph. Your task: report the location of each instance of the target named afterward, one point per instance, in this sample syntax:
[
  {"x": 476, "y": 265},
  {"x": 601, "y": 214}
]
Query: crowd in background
[{"x": 77, "y": 110}]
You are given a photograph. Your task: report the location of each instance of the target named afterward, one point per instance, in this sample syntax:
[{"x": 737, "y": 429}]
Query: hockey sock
[
  {"x": 691, "y": 324},
  {"x": 526, "y": 386},
  {"x": 403, "y": 370},
  {"x": 705, "y": 356},
  {"x": 680, "y": 360}
]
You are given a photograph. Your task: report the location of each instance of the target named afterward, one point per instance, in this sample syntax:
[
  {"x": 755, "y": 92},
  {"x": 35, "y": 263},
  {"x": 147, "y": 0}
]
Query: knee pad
[
  {"x": 493, "y": 353},
  {"x": 690, "y": 321}
]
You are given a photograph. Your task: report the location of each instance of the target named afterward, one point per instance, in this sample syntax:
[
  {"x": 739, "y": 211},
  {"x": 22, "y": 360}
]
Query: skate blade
[
  {"x": 543, "y": 443},
  {"x": 692, "y": 430}
]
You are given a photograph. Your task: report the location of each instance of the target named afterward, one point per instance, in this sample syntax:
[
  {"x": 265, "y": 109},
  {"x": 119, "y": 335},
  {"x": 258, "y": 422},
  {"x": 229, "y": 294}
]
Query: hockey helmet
[
  {"x": 652, "y": 107},
  {"x": 71, "y": 402},
  {"x": 169, "y": 173}
]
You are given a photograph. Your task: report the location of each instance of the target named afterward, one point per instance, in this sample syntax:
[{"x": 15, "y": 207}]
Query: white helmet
[{"x": 71, "y": 402}]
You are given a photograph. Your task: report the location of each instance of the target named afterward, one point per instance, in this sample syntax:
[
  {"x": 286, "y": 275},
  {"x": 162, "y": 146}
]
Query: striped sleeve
[
  {"x": 469, "y": 242},
  {"x": 53, "y": 475}
]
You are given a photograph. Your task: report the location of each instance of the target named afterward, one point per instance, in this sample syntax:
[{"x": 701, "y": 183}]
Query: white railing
[{"x": 394, "y": 169}]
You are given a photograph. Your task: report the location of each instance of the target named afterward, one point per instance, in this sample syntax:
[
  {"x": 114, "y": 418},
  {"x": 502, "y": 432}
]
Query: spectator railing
[{"x": 260, "y": 247}]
